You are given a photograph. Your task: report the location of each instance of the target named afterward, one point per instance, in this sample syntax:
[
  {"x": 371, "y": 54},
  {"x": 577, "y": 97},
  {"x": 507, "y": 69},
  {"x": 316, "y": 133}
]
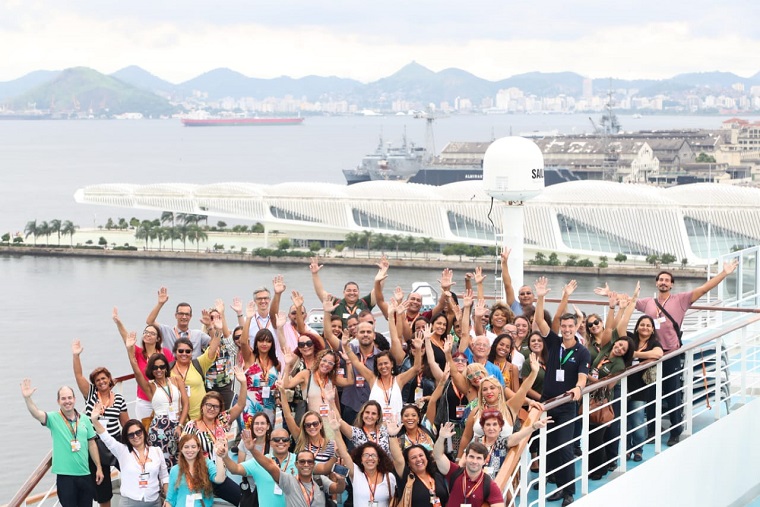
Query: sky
[{"x": 178, "y": 40}]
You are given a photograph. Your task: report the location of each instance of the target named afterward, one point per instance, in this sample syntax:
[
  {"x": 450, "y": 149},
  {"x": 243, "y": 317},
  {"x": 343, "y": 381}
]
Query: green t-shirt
[
  {"x": 611, "y": 367},
  {"x": 538, "y": 384},
  {"x": 66, "y": 461},
  {"x": 344, "y": 311}
]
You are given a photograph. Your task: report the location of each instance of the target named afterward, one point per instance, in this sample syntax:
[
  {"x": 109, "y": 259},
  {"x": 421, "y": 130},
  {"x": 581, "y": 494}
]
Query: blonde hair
[
  {"x": 501, "y": 403},
  {"x": 303, "y": 437}
]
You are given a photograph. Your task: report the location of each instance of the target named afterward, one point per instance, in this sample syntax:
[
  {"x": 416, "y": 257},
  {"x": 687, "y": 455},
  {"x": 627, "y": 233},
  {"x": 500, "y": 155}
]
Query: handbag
[
  {"x": 249, "y": 497},
  {"x": 650, "y": 375},
  {"x": 605, "y": 414}
]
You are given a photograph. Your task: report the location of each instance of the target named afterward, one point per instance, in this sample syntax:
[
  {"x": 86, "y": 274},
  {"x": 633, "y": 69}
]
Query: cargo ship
[{"x": 240, "y": 122}]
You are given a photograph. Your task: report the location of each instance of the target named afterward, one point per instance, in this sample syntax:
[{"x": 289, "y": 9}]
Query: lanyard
[
  {"x": 372, "y": 485},
  {"x": 456, "y": 392},
  {"x": 562, "y": 360},
  {"x": 369, "y": 434},
  {"x": 321, "y": 385},
  {"x": 181, "y": 334},
  {"x": 143, "y": 461},
  {"x": 109, "y": 401},
  {"x": 387, "y": 393},
  {"x": 476, "y": 486},
  {"x": 168, "y": 390},
  {"x": 306, "y": 496},
  {"x": 266, "y": 322},
  {"x": 73, "y": 429}
]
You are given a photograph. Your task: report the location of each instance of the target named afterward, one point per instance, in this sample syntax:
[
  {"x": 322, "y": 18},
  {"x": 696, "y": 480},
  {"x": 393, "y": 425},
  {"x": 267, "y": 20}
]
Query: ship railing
[{"x": 25, "y": 496}]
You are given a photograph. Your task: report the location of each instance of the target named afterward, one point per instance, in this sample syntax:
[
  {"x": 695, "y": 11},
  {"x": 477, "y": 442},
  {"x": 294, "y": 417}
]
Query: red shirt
[{"x": 476, "y": 498}]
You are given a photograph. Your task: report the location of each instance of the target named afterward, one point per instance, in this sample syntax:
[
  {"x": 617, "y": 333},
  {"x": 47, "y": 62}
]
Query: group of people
[{"x": 427, "y": 413}]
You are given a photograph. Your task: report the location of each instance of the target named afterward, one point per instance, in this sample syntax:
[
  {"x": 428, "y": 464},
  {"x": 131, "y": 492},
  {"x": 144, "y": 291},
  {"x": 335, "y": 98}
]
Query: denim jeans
[{"x": 636, "y": 419}]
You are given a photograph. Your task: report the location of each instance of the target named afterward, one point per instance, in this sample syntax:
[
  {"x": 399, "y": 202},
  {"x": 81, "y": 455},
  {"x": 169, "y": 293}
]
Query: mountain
[
  {"x": 80, "y": 89},
  {"x": 545, "y": 83},
  {"x": 141, "y": 78},
  {"x": 18, "y": 86},
  {"x": 710, "y": 79}
]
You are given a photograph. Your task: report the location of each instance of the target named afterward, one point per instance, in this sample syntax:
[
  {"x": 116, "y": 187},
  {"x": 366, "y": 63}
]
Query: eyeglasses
[
  {"x": 185, "y": 314},
  {"x": 327, "y": 362},
  {"x": 263, "y": 298},
  {"x": 304, "y": 345},
  {"x": 305, "y": 462},
  {"x": 314, "y": 424},
  {"x": 184, "y": 351},
  {"x": 477, "y": 374},
  {"x": 280, "y": 440},
  {"x": 149, "y": 333},
  {"x": 460, "y": 360},
  {"x": 212, "y": 406},
  {"x": 135, "y": 434},
  {"x": 160, "y": 367},
  {"x": 369, "y": 456},
  {"x": 526, "y": 293},
  {"x": 594, "y": 322}
]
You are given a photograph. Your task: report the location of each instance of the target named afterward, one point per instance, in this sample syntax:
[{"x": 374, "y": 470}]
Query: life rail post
[{"x": 36, "y": 476}]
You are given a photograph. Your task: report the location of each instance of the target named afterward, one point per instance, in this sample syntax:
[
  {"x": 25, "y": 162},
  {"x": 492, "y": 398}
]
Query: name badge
[
  {"x": 142, "y": 480},
  {"x": 659, "y": 321},
  {"x": 465, "y": 505},
  {"x": 359, "y": 381},
  {"x": 341, "y": 372},
  {"x": 220, "y": 365},
  {"x": 560, "y": 375},
  {"x": 387, "y": 413},
  {"x": 324, "y": 410},
  {"x": 172, "y": 415},
  {"x": 371, "y": 504},
  {"x": 75, "y": 446},
  {"x": 190, "y": 499},
  {"x": 435, "y": 501},
  {"x": 418, "y": 394},
  {"x": 277, "y": 490},
  {"x": 265, "y": 392},
  {"x": 187, "y": 390},
  {"x": 460, "y": 411}
]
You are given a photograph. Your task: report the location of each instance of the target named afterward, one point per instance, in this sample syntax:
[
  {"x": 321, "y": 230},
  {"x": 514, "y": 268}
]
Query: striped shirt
[{"x": 112, "y": 413}]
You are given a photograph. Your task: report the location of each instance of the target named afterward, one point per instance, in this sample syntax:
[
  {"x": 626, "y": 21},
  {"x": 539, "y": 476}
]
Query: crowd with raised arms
[{"x": 425, "y": 414}]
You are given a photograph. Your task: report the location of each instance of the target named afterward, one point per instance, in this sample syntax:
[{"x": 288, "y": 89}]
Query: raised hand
[
  {"x": 250, "y": 309},
  {"x": 239, "y": 374},
  {"x": 623, "y": 301},
  {"x": 730, "y": 266},
  {"x": 602, "y": 291},
  {"x": 115, "y": 315},
  {"x": 314, "y": 265},
  {"x": 297, "y": 298},
  {"x": 131, "y": 339},
  {"x": 636, "y": 290},
  {"x": 570, "y": 288},
  {"x": 218, "y": 324},
  {"x": 237, "y": 306},
  {"x": 26, "y": 388},
  {"x": 612, "y": 299},
  {"x": 97, "y": 410},
  {"x": 282, "y": 318},
  {"x": 382, "y": 272},
  {"x": 163, "y": 295},
  {"x": 447, "y": 430},
  {"x": 290, "y": 358},
  {"x": 278, "y": 284},
  {"x": 220, "y": 447},
  {"x": 329, "y": 304},
  {"x": 427, "y": 332},
  {"x": 398, "y": 294},
  {"x": 480, "y": 308},
  {"x": 417, "y": 342},
  {"x": 535, "y": 365},
  {"x": 76, "y": 347},
  {"x": 334, "y": 422},
  {"x": 467, "y": 298},
  {"x": 479, "y": 276},
  {"x": 505, "y": 254},
  {"x": 542, "y": 423},
  {"x": 541, "y": 287},
  {"x": 205, "y": 318},
  {"x": 448, "y": 343},
  {"x": 402, "y": 307},
  {"x": 447, "y": 279},
  {"x": 393, "y": 427}
]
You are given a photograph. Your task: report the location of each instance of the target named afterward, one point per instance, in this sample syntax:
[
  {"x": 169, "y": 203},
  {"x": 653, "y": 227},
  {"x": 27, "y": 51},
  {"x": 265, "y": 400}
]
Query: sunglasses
[
  {"x": 280, "y": 440},
  {"x": 314, "y": 424},
  {"x": 526, "y": 293},
  {"x": 305, "y": 345},
  {"x": 460, "y": 360},
  {"x": 135, "y": 434},
  {"x": 594, "y": 323},
  {"x": 160, "y": 367},
  {"x": 329, "y": 363},
  {"x": 305, "y": 461},
  {"x": 184, "y": 351},
  {"x": 477, "y": 374}
]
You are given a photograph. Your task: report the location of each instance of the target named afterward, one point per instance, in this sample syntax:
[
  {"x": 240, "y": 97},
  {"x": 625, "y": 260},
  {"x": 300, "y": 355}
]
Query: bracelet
[{"x": 240, "y": 316}]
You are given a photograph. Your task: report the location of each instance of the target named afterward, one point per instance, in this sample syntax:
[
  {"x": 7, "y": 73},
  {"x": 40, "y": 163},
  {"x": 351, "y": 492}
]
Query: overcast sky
[{"x": 180, "y": 39}]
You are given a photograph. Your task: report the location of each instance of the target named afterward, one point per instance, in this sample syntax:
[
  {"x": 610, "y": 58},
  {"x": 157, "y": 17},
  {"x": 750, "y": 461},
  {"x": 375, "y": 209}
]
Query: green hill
[{"x": 81, "y": 90}]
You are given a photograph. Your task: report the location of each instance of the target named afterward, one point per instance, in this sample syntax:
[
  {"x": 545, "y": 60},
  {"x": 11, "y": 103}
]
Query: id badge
[
  {"x": 371, "y": 504},
  {"x": 103, "y": 422},
  {"x": 265, "y": 392},
  {"x": 659, "y": 321},
  {"x": 488, "y": 470},
  {"x": 76, "y": 446},
  {"x": 418, "y": 393},
  {"x": 460, "y": 411},
  {"x": 435, "y": 501},
  {"x": 220, "y": 365},
  {"x": 277, "y": 490},
  {"x": 172, "y": 415},
  {"x": 359, "y": 381},
  {"x": 142, "y": 480},
  {"x": 341, "y": 372},
  {"x": 187, "y": 390},
  {"x": 324, "y": 410},
  {"x": 560, "y": 375},
  {"x": 190, "y": 499},
  {"x": 465, "y": 504},
  {"x": 387, "y": 413}
]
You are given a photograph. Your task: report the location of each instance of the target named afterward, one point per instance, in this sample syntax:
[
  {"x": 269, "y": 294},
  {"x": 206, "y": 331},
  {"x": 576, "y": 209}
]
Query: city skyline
[{"x": 177, "y": 41}]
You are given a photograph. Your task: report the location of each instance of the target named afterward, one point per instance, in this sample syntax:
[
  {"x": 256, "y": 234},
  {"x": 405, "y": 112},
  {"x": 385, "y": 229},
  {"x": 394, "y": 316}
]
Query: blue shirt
[{"x": 491, "y": 368}]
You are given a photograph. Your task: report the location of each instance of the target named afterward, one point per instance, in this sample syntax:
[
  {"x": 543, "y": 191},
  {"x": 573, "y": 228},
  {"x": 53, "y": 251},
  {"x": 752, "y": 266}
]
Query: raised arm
[
  {"x": 541, "y": 289},
  {"x": 82, "y": 383},
  {"x": 432, "y": 406},
  {"x": 220, "y": 447},
  {"x": 377, "y": 289},
  {"x": 237, "y": 307},
  {"x": 457, "y": 378},
  {"x": 609, "y": 322},
  {"x": 146, "y": 386},
  {"x": 119, "y": 324},
  {"x": 465, "y": 320},
  {"x": 361, "y": 368},
  {"x": 567, "y": 291},
  {"x": 215, "y": 332},
  {"x": 404, "y": 377},
  {"x": 329, "y": 304},
  {"x": 163, "y": 297},
  {"x": 314, "y": 267},
  {"x": 219, "y": 305},
  {"x": 238, "y": 408},
  {"x": 27, "y": 391},
  {"x": 443, "y": 463},
  {"x": 506, "y": 278},
  {"x": 728, "y": 268},
  {"x": 396, "y": 453},
  {"x": 395, "y": 318},
  {"x": 430, "y": 354},
  {"x": 515, "y": 403},
  {"x": 340, "y": 445},
  {"x": 287, "y": 415},
  {"x": 245, "y": 339},
  {"x": 278, "y": 285}
]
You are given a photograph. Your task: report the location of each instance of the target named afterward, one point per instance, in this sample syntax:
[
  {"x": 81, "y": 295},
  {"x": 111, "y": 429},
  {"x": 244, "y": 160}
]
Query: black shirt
[{"x": 573, "y": 361}]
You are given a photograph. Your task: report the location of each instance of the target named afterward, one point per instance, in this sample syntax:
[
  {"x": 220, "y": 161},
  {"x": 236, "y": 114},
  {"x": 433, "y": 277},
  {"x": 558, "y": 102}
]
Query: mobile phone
[{"x": 340, "y": 470}]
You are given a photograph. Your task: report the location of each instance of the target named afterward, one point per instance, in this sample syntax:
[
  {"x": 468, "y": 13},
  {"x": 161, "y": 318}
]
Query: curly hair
[
  {"x": 431, "y": 467},
  {"x": 501, "y": 307},
  {"x": 384, "y": 462},
  {"x": 97, "y": 371},
  {"x": 199, "y": 471},
  {"x": 320, "y": 356}
]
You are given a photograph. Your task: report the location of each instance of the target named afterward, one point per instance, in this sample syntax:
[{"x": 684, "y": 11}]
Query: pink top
[
  {"x": 143, "y": 363},
  {"x": 676, "y": 305}
]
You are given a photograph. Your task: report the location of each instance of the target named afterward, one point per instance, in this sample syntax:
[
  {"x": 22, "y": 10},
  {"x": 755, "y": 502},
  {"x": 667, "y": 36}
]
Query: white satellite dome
[{"x": 513, "y": 169}]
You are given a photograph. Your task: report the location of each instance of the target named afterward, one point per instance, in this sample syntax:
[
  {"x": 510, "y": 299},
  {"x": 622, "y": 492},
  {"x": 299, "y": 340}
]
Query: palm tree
[
  {"x": 162, "y": 234},
  {"x": 352, "y": 241},
  {"x": 379, "y": 242},
  {"x": 367, "y": 239},
  {"x": 145, "y": 231},
  {"x": 55, "y": 227},
  {"x": 182, "y": 231},
  {"x": 68, "y": 228},
  {"x": 31, "y": 230},
  {"x": 409, "y": 244},
  {"x": 43, "y": 229},
  {"x": 196, "y": 234},
  {"x": 167, "y": 217},
  {"x": 396, "y": 240},
  {"x": 426, "y": 245}
]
